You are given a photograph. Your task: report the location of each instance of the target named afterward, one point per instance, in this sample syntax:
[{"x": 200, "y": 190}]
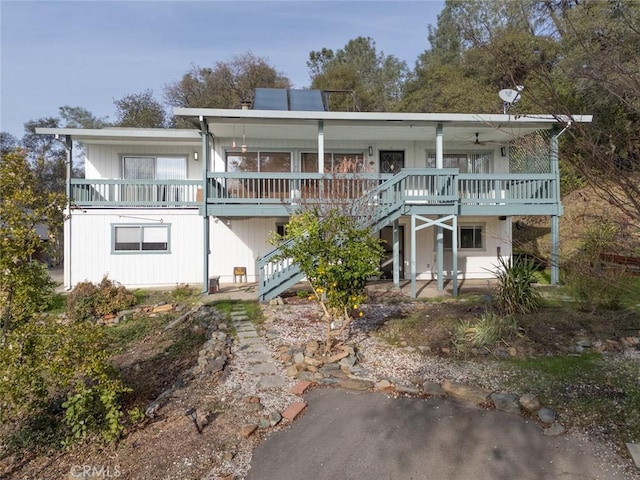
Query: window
[
  {"x": 465, "y": 162},
  {"x": 129, "y": 238},
  {"x": 469, "y": 237},
  {"x": 153, "y": 168},
  {"x": 259, "y": 162},
  {"x": 334, "y": 162},
  {"x": 164, "y": 167}
]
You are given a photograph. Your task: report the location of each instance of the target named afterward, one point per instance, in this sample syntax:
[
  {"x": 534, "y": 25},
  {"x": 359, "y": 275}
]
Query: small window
[
  {"x": 469, "y": 237},
  {"x": 141, "y": 238}
]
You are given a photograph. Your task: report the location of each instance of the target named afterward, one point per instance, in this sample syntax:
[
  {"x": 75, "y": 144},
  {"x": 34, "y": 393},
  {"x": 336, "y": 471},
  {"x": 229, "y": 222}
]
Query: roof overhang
[
  {"x": 371, "y": 125},
  {"x": 174, "y": 136}
]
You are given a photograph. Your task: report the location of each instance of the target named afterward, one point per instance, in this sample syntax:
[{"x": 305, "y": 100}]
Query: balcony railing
[
  {"x": 136, "y": 193},
  {"x": 413, "y": 187}
]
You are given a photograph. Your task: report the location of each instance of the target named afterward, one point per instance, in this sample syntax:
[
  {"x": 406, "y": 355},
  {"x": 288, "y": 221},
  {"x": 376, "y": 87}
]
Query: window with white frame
[
  {"x": 141, "y": 238},
  {"x": 465, "y": 162},
  {"x": 470, "y": 237},
  {"x": 154, "y": 167}
]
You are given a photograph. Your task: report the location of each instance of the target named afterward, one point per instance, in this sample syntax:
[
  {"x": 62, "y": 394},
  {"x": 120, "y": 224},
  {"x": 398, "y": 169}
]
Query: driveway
[{"x": 359, "y": 435}]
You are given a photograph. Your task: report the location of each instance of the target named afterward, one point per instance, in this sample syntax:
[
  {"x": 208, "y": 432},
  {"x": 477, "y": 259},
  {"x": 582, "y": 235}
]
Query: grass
[
  {"x": 127, "y": 332},
  {"x": 588, "y": 391}
]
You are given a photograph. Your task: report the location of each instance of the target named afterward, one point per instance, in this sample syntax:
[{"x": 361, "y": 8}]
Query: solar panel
[
  {"x": 306, "y": 100},
  {"x": 270, "y": 99}
]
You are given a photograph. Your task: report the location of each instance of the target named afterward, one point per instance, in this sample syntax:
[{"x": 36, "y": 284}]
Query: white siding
[
  {"x": 104, "y": 161},
  {"x": 239, "y": 244},
  {"x": 93, "y": 258},
  {"x": 471, "y": 263}
]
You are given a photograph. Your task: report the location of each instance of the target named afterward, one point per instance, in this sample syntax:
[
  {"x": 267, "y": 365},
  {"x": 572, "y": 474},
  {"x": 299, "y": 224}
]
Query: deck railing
[
  {"x": 413, "y": 187},
  {"x": 136, "y": 193}
]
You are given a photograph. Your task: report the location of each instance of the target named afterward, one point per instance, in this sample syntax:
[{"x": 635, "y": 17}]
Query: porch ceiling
[{"x": 371, "y": 126}]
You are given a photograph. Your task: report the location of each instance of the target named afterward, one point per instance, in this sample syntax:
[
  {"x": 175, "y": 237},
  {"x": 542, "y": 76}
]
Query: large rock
[
  {"x": 353, "y": 384},
  {"x": 465, "y": 392},
  {"x": 546, "y": 415},
  {"x": 530, "y": 402},
  {"x": 506, "y": 402}
]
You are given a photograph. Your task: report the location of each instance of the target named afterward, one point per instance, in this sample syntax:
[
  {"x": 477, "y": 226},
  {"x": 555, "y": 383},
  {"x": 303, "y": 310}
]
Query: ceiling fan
[{"x": 482, "y": 143}]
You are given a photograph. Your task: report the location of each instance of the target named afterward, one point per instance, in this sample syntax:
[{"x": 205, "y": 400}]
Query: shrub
[
  {"x": 88, "y": 301},
  {"x": 592, "y": 282},
  {"x": 485, "y": 332},
  {"x": 516, "y": 286}
]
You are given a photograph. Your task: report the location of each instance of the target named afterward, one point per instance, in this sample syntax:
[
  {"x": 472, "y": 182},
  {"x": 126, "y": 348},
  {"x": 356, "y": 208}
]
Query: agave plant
[{"x": 517, "y": 292}]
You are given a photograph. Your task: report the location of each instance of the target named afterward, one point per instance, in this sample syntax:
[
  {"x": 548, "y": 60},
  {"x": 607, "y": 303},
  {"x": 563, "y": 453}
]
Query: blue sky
[{"x": 88, "y": 53}]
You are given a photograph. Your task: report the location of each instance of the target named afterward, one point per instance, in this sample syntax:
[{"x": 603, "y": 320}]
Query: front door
[
  {"x": 386, "y": 266},
  {"x": 391, "y": 161}
]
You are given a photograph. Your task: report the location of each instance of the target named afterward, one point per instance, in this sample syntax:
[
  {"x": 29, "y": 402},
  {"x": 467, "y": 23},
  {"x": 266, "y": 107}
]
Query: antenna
[{"x": 510, "y": 97}]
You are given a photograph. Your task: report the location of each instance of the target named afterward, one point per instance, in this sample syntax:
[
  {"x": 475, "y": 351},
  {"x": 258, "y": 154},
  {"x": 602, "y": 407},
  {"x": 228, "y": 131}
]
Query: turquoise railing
[
  {"x": 375, "y": 208},
  {"x": 136, "y": 193}
]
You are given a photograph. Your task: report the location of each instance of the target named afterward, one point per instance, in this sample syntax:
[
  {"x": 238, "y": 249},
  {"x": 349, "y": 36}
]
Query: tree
[
  {"x": 226, "y": 85},
  {"x": 375, "y": 78},
  {"x": 25, "y": 286},
  {"x": 8, "y": 142},
  {"x": 46, "y": 154},
  {"x": 337, "y": 256},
  {"x": 140, "y": 110},
  {"x": 79, "y": 117}
]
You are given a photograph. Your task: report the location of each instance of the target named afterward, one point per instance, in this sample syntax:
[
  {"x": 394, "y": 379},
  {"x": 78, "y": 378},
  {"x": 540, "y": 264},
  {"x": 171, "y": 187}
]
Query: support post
[
  {"x": 440, "y": 256},
  {"x": 454, "y": 249},
  {"x": 555, "y": 219},
  {"x": 68, "y": 216},
  {"x": 414, "y": 289},
  {"x": 320, "y": 146},
  {"x": 396, "y": 253},
  {"x": 204, "y": 132},
  {"x": 439, "y": 147}
]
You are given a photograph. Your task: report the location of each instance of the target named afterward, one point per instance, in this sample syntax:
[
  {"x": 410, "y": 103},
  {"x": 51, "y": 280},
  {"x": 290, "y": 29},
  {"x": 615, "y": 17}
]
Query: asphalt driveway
[{"x": 359, "y": 435}]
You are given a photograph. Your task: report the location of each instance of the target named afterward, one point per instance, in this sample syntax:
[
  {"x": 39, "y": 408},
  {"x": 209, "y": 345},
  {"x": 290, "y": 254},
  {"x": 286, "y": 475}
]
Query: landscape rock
[
  {"x": 506, "y": 402},
  {"x": 432, "y": 388},
  {"x": 465, "y": 392},
  {"x": 546, "y": 415},
  {"x": 530, "y": 402}
]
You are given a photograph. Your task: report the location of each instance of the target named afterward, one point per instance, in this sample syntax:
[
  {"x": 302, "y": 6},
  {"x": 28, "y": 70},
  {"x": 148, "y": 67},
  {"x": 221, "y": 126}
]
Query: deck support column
[
  {"x": 414, "y": 290},
  {"x": 439, "y": 231},
  {"x": 454, "y": 250},
  {"x": 204, "y": 132},
  {"x": 555, "y": 270},
  {"x": 396, "y": 253},
  {"x": 68, "y": 143},
  {"x": 555, "y": 219},
  {"x": 440, "y": 256}
]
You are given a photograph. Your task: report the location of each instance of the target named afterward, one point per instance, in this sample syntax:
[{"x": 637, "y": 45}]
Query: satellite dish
[{"x": 510, "y": 96}]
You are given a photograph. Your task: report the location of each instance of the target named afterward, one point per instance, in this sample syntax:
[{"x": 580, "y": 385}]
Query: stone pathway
[{"x": 257, "y": 352}]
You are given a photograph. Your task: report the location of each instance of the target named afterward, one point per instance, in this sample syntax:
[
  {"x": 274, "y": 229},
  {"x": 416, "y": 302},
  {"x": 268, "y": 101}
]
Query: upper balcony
[{"x": 251, "y": 194}]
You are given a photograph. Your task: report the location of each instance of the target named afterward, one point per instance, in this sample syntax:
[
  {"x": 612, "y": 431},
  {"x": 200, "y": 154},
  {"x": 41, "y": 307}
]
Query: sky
[{"x": 89, "y": 53}]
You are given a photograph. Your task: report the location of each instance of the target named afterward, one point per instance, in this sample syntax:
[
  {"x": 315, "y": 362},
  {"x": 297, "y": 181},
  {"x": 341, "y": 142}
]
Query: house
[{"x": 160, "y": 207}]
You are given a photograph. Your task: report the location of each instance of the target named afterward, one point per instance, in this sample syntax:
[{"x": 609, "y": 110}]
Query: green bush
[
  {"x": 485, "y": 332},
  {"x": 43, "y": 361},
  {"x": 517, "y": 292},
  {"x": 87, "y": 301},
  {"x": 590, "y": 281}
]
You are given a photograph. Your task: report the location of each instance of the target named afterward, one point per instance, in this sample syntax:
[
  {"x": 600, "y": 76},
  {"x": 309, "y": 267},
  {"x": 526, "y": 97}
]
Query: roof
[
  {"x": 354, "y": 126},
  {"x": 116, "y": 134},
  {"x": 372, "y": 126}
]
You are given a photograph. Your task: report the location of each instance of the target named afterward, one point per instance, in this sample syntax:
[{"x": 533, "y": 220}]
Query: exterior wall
[
  {"x": 104, "y": 161},
  {"x": 471, "y": 263},
  {"x": 415, "y": 152},
  {"x": 239, "y": 243},
  {"x": 92, "y": 257}
]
